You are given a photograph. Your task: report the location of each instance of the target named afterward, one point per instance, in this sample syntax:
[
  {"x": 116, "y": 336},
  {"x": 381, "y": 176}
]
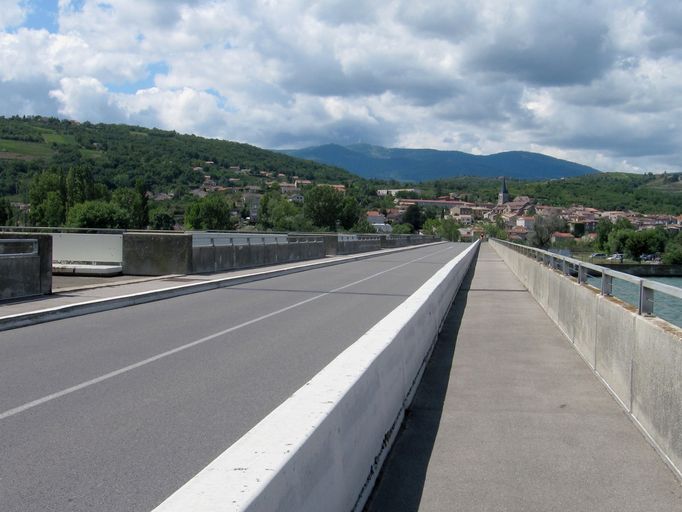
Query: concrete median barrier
[{"x": 323, "y": 447}]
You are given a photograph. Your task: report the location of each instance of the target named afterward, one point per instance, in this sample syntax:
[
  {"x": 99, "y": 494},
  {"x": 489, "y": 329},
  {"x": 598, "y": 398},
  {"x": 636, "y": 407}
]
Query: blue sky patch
[
  {"x": 153, "y": 69},
  {"x": 42, "y": 14}
]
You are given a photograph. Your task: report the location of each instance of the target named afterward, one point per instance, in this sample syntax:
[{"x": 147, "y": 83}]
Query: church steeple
[{"x": 503, "y": 196}]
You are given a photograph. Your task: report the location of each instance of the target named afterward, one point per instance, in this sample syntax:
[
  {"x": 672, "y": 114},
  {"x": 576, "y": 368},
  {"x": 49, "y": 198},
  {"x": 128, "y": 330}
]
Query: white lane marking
[{"x": 125, "y": 369}]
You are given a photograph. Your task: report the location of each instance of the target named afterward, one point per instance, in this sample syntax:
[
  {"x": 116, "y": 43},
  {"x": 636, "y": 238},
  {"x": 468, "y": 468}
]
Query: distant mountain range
[{"x": 429, "y": 164}]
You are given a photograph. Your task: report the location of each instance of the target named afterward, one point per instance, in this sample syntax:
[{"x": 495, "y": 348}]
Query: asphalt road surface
[{"x": 115, "y": 411}]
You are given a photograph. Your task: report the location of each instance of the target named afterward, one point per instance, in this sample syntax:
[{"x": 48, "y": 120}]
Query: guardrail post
[
  {"x": 606, "y": 284},
  {"x": 564, "y": 267},
  {"x": 213, "y": 255},
  {"x": 582, "y": 274},
  {"x": 646, "y": 300}
]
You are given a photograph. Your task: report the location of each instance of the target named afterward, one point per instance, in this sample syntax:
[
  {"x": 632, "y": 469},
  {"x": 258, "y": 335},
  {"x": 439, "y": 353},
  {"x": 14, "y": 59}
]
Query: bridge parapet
[
  {"x": 637, "y": 356},
  {"x": 323, "y": 447},
  {"x": 25, "y": 265},
  {"x": 147, "y": 252}
]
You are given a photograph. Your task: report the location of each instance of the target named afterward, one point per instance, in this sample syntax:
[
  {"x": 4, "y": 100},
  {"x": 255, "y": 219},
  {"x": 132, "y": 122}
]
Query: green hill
[
  {"x": 644, "y": 193},
  {"x": 117, "y": 155}
]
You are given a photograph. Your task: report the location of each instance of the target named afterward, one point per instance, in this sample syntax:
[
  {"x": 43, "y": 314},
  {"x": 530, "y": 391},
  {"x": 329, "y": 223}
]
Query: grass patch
[
  {"x": 91, "y": 153},
  {"x": 674, "y": 187},
  {"x": 56, "y": 138},
  {"x": 139, "y": 134},
  {"x": 27, "y": 149}
]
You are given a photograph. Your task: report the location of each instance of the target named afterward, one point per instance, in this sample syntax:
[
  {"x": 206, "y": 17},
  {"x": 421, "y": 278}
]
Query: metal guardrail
[
  {"x": 12, "y": 247},
  {"x": 209, "y": 239},
  {"x": 580, "y": 269},
  {"x": 344, "y": 237}
]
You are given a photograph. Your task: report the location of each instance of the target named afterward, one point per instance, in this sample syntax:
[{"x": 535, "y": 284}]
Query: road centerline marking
[{"x": 67, "y": 391}]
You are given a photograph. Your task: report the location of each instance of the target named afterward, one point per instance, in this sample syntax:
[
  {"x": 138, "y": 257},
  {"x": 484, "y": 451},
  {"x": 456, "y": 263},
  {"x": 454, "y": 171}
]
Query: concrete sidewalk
[{"x": 512, "y": 419}]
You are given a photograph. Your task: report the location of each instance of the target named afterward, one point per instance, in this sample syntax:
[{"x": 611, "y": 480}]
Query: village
[{"x": 515, "y": 216}]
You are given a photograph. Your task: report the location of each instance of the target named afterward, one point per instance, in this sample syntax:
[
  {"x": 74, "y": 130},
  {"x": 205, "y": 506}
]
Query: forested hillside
[
  {"x": 119, "y": 155},
  {"x": 56, "y": 172},
  {"x": 644, "y": 193}
]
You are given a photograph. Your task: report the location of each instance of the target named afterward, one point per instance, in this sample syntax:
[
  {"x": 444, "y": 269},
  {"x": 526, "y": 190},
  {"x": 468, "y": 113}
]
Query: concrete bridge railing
[
  {"x": 323, "y": 447},
  {"x": 637, "y": 356},
  {"x": 108, "y": 251},
  {"x": 25, "y": 265}
]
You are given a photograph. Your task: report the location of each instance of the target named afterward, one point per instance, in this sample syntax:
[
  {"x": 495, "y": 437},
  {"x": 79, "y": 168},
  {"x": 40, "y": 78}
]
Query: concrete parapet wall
[
  {"x": 639, "y": 358},
  {"x": 219, "y": 258},
  {"x": 323, "y": 447},
  {"x": 157, "y": 254},
  {"x": 26, "y": 275},
  {"x": 353, "y": 246}
]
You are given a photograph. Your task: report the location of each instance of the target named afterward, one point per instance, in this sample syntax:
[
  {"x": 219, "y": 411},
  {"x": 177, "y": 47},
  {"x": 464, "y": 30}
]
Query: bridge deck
[{"x": 513, "y": 419}]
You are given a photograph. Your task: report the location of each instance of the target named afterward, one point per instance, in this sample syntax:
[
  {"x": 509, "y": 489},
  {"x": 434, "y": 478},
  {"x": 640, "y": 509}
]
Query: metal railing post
[
  {"x": 646, "y": 300},
  {"x": 606, "y": 284},
  {"x": 582, "y": 274}
]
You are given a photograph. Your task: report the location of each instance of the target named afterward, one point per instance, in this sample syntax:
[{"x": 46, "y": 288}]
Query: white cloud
[
  {"x": 12, "y": 13},
  {"x": 597, "y": 81}
]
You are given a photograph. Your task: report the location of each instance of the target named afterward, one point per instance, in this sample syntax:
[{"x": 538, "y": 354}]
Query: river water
[{"x": 667, "y": 307}]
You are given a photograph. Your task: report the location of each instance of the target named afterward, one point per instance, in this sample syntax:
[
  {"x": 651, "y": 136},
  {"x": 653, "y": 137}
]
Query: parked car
[
  {"x": 615, "y": 257},
  {"x": 597, "y": 255}
]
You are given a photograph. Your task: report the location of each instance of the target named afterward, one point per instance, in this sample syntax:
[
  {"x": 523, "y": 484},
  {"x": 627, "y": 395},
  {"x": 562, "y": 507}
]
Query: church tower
[{"x": 503, "y": 196}]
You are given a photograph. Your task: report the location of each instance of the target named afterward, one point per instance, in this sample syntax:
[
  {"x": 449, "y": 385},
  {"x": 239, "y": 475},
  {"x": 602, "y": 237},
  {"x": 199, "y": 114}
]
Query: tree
[
  {"x": 6, "y": 213},
  {"x": 323, "y": 206},
  {"x": 46, "y": 185},
  {"x": 432, "y": 212},
  {"x": 363, "y": 226},
  {"x": 604, "y": 227},
  {"x": 646, "y": 241},
  {"x": 618, "y": 239},
  {"x": 278, "y": 213},
  {"x": 97, "y": 214},
  {"x": 210, "y": 212},
  {"x": 403, "y": 229},
  {"x": 350, "y": 213},
  {"x": 140, "y": 214},
  {"x": 414, "y": 216},
  {"x": 80, "y": 186},
  {"x": 431, "y": 226},
  {"x": 135, "y": 203},
  {"x": 673, "y": 254},
  {"x": 52, "y": 210},
  {"x": 287, "y": 216},
  {"x": 161, "y": 219},
  {"x": 544, "y": 227},
  {"x": 267, "y": 203},
  {"x": 493, "y": 230},
  {"x": 449, "y": 229},
  {"x": 623, "y": 223}
]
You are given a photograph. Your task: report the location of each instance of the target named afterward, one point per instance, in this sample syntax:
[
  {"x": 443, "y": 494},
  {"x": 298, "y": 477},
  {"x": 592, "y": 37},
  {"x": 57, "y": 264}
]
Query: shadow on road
[{"x": 401, "y": 482}]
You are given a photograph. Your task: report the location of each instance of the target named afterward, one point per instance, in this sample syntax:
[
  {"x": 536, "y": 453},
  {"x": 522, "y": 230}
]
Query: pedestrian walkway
[{"x": 508, "y": 417}]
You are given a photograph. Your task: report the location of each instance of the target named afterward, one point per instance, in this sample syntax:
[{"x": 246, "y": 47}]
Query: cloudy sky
[{"x": 596, "y": 82}]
